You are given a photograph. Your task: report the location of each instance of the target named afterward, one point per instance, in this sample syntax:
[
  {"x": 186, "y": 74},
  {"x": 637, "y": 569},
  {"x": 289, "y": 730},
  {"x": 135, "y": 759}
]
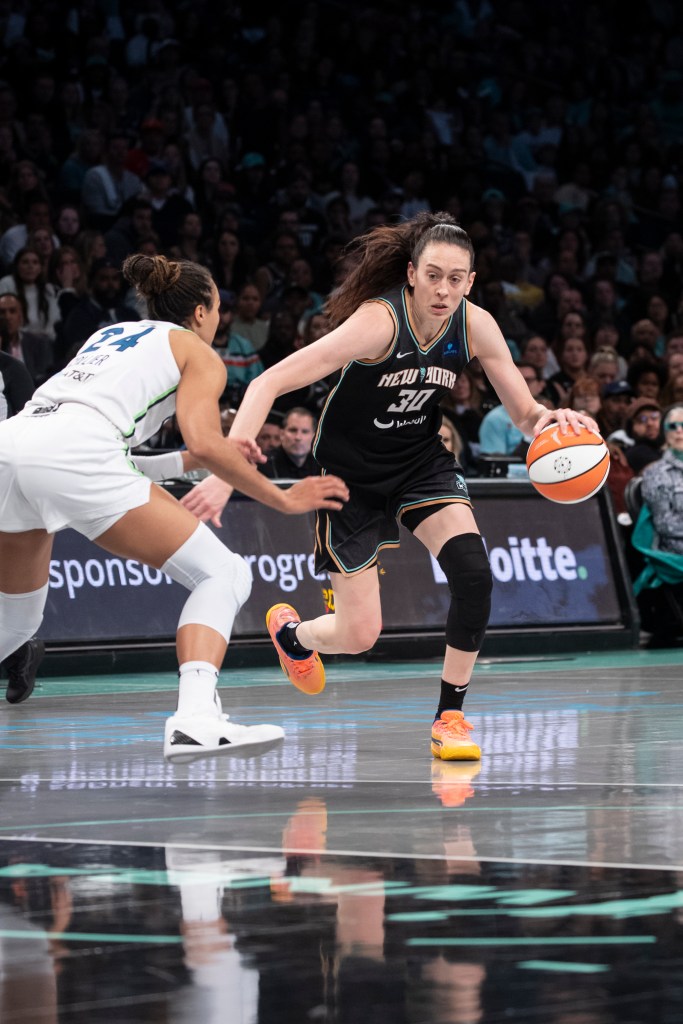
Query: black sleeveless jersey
[{"x": 380, "y": 424}]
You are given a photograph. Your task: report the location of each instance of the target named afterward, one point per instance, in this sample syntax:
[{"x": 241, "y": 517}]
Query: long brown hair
[{"x": 380, "y": 258}]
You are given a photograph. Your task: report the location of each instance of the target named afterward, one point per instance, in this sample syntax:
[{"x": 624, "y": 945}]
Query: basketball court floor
[{"x": 346, "y": 876}]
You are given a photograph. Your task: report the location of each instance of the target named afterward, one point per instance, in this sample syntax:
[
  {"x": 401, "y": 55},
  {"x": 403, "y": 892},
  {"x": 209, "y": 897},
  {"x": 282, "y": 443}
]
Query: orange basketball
[{"x": 567, "y": 467}]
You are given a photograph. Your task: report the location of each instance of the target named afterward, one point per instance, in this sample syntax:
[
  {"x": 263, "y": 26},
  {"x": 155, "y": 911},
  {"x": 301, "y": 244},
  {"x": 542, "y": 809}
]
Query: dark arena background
[{"x": 348, "y": 876}]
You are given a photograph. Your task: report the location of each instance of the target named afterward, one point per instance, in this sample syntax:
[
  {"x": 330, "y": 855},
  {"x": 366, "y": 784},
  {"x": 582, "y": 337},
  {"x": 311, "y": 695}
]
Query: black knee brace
[{"x": 466, "y": 567}]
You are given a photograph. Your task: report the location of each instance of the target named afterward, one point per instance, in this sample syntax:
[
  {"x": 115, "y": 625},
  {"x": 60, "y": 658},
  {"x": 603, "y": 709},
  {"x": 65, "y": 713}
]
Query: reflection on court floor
[{"x": 347, "y": 876}]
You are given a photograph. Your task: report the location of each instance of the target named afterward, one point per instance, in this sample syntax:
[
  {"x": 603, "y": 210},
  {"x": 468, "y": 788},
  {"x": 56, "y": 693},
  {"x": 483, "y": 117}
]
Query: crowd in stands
[{"x": 261, "y": 144}]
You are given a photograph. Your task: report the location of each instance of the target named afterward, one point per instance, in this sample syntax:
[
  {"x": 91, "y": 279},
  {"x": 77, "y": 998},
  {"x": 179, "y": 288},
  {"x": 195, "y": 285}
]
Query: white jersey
[{"x": 126, "y": 372}]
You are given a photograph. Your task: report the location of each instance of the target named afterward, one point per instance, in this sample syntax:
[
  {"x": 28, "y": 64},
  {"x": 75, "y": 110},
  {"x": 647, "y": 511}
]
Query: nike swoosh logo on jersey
[
  {"x": 402, "y": 355},
  {"x": 383, "y": 426}
]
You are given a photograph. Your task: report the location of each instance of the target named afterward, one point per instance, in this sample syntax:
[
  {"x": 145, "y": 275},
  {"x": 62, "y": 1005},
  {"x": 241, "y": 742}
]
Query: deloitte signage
[{"x": 551, "y": 566}]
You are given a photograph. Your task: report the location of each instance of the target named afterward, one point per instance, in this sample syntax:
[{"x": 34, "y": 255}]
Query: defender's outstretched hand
[
  {"x": 316, "y": 492},
  {"x": 207, "y": 499}
]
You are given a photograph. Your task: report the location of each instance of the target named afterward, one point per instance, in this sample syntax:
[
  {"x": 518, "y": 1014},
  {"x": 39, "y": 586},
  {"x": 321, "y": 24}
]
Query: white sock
[
  {"x": 197, "y": 688},
  {"x": 199, "y": 901}
]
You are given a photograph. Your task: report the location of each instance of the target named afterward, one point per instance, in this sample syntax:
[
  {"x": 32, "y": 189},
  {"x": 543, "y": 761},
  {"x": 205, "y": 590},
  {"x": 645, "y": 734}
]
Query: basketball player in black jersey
[{"x": 404, "y": 331}]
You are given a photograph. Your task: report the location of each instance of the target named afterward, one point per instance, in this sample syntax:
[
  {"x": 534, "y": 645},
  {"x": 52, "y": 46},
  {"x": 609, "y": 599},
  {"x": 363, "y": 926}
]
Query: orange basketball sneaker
[
  {"x": 451, "y": 738},
  {"x": 307, "y": 673}
]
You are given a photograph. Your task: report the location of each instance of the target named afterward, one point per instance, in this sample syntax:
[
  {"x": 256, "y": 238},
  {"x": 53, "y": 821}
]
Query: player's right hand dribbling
[{"x": 315, "y": 492}]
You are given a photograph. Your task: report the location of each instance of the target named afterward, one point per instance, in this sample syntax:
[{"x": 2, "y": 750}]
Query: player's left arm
[{"x": 488, "y": 345}]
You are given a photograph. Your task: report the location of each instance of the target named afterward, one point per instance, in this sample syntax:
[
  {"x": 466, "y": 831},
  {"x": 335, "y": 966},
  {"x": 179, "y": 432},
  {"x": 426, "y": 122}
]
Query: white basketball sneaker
[{"x": 189, "y": 737}]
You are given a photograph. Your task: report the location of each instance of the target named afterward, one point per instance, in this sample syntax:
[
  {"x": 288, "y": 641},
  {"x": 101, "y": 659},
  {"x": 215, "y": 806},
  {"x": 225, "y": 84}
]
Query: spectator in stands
[
  {"x": 269, "y": 436},
  {"x": 149, "y": 149},
  {"x": 206, "y": 137},
  {"x": 615, "y": 402},
  {"x": 132, "y": 225},
  {"x": 572, "y": 355},
  {"x": 28, "y": 280},
  {"x": 91, "y": 246},
  {"x": 33, "y": 350},
  {"x": 247, "y": 320},
  {"x": 107, "y": 186},
  {"x": 463, "y": 408},
  {"x": 88, "y": 153},
  {"x": 67, "y": 275},
  {"x": 604, "y": 364},
  {"x": 673, "y": 389},
  {"x": 15, "y": 238},
  {"x": 647, "y": 378},
  {"x": 67, "y": 224},
  {"x": 662, "y": 486},
  {"x": 498, "y": 435},
  {"x": 168, "y": 206},
  {"x": 190, "y": 238},
  {"x": 584, "y": 395},
  {"x": 227, "y": 262},
  {"x": 43, "y": 242},
  {"x": 293, "y": 459},
  {"x": 239, "y": 356},
  {"x": 100, "y": 306},
  {"x": 534, "y": 349},
  {"x": 271, "y": 277},
  {"x": 16, "y": 384},
  {"x": 642, "y": 438}
]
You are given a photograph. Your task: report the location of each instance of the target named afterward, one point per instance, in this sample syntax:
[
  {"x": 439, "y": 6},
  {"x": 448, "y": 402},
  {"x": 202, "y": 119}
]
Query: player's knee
[
  {"x": 219, "y": 579},
  {"x": 240, "y": 578},
  {"x": 361, "y": 636},
  {"x": 466, "y": 567}
]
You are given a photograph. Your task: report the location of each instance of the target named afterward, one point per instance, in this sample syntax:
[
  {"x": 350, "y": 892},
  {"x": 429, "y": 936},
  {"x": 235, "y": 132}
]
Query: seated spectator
[
  {"x": 33, "y": 350},
  {"x": 67, "y": 224},
  {"x": 149, "y": 148},
  {"x": 584, "y": 395},
  {"x": 190, "y": 238},
  {"x": 247, "y": 320},
  {"x": 239, "y": 357},
  {"x": 463, "y": 406},
  {"x": 43, "y": 241},
  {"x": 101, "y": 306},
  {"x": 107, "y": 186},
  {"x": 606, "y": 366},
  {"x": 67, "y": 275},
  {"x": 168, "y": 206},
  {"x": 662, "y": 486},
  {"x": 534, "y": 349},
  {"x": 455, "y": 443},
  {"x": 91, "y": 246},
  {"x": 282, "y": 339},
  {"x": 88, "y": 153},
  {"x": 646, "y": 378},
  {"x": 28, "y": 281},
  {"x": 572, "y": 355},
  {"x": 642, "y": 438},
  {"x": 226, "y": 261},
  {"x": 673, "y": 389},
  {"x": 293, "y": 459},
  {"x": 16, "y": 238},
  {"x": 498, "y": 435},
  {"x": 614, "y": 407},
  {"x": 16, "y": 385},
  {"x": 132, "y": 225},
  {"x": 301, "y": 276},
  {"x": 272, "y": 276},
  {"x": 268, "y": 437}
]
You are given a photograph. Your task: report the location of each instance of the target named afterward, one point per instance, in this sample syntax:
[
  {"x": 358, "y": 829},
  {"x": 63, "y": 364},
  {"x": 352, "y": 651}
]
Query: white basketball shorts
[{"x": 67, "y": 467}]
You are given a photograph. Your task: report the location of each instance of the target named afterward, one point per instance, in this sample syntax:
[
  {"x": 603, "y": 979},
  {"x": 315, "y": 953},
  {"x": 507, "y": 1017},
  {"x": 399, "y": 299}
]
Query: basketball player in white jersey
[{"x": 64, "y": 461}]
